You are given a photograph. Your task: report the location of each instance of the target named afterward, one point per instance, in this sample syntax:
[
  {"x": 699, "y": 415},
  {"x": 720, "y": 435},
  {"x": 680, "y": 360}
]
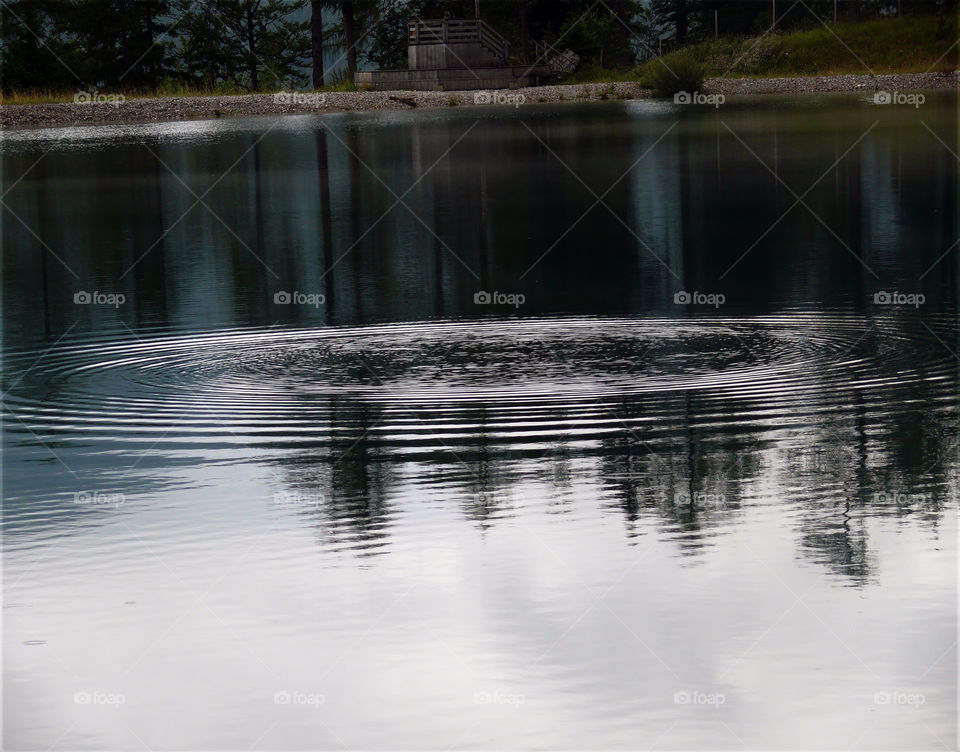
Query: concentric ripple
[{"x": 523, "y": 378}]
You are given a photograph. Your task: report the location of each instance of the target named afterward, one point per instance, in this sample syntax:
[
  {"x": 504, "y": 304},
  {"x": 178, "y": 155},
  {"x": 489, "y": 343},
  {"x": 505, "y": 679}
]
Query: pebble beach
[{"x": 111, "y": 110}]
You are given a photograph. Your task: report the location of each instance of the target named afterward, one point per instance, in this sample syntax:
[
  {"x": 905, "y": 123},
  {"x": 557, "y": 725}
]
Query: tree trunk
[
  {"x": 524, "y": 28},
  {"x": 316, "y": 42},
  {"x": 323, "y": 175},
  {"x": 253, "y": 65},
  {"x": 681, "y": 21},
  {"x": 350, "y": 36}
]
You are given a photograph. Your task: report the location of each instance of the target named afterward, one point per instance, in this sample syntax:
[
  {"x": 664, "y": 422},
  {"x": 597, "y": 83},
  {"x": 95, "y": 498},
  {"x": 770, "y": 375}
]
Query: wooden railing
[
  {"x": 542, "y": 51},
  {"x": 494, "y": 41},
  {"x": 459, "y": 31}
]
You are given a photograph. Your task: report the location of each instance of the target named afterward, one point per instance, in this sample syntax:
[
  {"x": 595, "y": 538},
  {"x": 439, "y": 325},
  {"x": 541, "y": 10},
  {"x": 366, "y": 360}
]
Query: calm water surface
[{"x": 278, "y": 476}]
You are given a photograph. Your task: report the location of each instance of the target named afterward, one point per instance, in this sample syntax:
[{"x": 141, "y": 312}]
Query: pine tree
[
  {"x": 115, "y": 44},
  {"x": 316, "y": 42},
  {"x": 30, "y": 50},
  {"x": 245, "y": 44}
]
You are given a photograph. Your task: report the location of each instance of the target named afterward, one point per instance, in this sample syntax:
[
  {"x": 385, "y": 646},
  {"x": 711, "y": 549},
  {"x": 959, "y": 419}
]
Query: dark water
[{"x": 586, "y": 514}]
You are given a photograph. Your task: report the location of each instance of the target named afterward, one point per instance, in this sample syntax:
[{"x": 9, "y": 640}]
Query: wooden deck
[
  {"x": 428, "y": 41},
  {"x": 455, "y": 79},
  {"x": 455, "y": 55}
]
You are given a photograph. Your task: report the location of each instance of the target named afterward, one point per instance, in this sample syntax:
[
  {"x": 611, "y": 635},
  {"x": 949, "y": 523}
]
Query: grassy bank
[
  {"x": 889, "y": 45},
  {"x": 168, "y": 89}
]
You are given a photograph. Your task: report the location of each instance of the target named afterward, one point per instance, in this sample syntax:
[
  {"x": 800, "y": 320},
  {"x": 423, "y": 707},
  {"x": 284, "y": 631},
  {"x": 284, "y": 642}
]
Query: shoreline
[{"x": 169, "y": 109}]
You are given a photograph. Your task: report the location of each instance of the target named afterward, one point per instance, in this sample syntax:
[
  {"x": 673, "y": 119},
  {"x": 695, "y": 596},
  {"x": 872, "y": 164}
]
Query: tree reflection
[{"x": 484, "y": 211}]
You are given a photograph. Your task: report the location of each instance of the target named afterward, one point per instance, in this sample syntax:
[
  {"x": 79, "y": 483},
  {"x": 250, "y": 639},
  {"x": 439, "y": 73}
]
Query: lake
[{"x": 624, "y": 425}]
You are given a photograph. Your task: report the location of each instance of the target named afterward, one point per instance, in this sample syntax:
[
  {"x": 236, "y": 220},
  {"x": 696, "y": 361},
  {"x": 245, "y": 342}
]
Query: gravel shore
[
  {"x": 201, "y": 108},
  {"x": 819, "y": 84}
]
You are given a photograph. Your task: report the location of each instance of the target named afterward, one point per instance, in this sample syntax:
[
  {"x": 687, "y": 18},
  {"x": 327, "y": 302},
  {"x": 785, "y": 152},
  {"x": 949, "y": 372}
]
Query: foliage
[
  {"x": 177, "y": 87},
  {"x": 83, "y": 44},
  {"x": 597, "y": 36},
  {"x": 682, "y": 22},
  {"x": 677, "y": 71},
  {"x": 137, "y": 46},
  {"x": 354, "y": 38},
  {"x": 387, "y": 42},
  {"x": 115, "y": 43},
  {"x": 28, "y": 62},
  {"x": 248, "y": 44},
  {"x": 886, "y": 45}
]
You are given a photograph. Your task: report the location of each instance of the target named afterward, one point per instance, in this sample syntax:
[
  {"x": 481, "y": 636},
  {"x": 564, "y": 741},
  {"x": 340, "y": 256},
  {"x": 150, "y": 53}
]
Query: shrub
[{"x": 678, "y": 71}]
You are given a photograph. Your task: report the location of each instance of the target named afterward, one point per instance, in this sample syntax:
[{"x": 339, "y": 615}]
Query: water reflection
[
  {"x": 685, "y": 422},
  {"x": 485, "y": 201},
  {"x": 389, "y": 435}
]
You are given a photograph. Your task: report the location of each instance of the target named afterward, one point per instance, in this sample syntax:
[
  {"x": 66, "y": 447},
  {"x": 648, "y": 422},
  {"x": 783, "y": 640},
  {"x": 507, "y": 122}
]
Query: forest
[{"x": 148, "y": 46}]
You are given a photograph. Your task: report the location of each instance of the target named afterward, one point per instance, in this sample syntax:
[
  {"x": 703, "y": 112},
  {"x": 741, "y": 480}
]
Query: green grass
[
  {"x": 912, "y": 44},
  {"x": 890, "y": 45},
  {"x": 174, "y": 88},
  {"x": 170, "y": 88},
  {"x": 340, "y": 81},
  {"x": 37, "y": 96},
  {"x": 164, "y": 92}
]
